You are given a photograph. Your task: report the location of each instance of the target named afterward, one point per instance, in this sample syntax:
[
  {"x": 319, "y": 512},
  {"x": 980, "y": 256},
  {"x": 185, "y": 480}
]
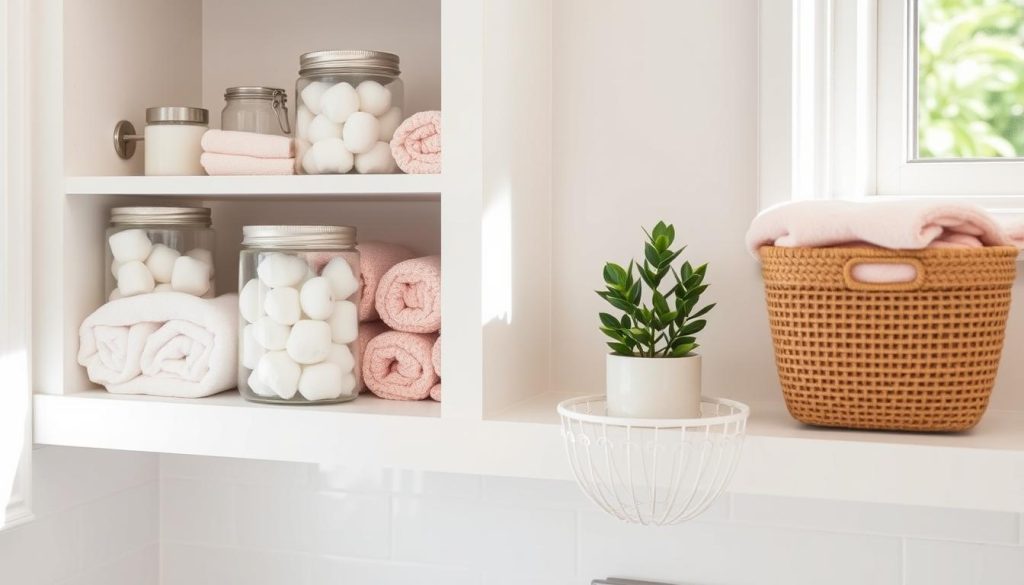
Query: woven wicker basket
[{"x": 913, "y": 356}]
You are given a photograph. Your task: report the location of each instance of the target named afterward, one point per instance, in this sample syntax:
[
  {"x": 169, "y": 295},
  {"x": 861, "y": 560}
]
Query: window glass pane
[{"x": 970, "y": 66}]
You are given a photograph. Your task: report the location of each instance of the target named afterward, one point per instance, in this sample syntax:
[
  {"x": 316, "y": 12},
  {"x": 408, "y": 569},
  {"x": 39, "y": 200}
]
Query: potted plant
[{"x": 652, "y": 371}]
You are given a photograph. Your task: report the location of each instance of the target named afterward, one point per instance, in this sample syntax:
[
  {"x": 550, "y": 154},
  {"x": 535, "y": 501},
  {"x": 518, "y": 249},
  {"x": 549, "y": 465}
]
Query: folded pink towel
[
  {"x": 416, "y": 144},
  {"x": 236, "y": 164},
  {"x": 397, "y": 365},
  {"x": 435, "y": 358},
  {"x": 897, "y": 225},
  {"x": 248, "y": 144},
  {"x": 409, "y": 295},
  {"x": 375, "y": 259}
]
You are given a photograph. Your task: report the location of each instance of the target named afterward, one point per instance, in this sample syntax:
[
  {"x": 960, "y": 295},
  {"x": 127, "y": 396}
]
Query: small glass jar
[
  {"x": 298, "y": 300},
  {"x": 349, "y": 106},
  {"x": 159, "y": 249},
  {"x": 263, "y": 110},
  {"x": 174, "y": 137}
]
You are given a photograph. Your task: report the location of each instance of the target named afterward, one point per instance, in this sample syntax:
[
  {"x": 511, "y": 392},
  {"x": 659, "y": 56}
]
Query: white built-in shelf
[
  {"x": 980, "y": 469},
  {"x": 313, "y": 186}
]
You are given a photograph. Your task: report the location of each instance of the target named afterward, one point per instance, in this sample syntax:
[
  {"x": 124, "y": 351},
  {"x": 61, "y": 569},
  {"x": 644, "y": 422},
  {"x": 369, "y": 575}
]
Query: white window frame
[
  {"x": 15, "y": 245},
  {"x": 835, "y": 114}
]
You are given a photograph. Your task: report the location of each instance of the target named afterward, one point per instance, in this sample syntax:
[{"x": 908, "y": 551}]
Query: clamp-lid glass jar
[
  {"x": 350, "y": 104},
  {"x": 159, "y": 249},
  {"x": 263, "y": 110},
  {"x": 174, "y": 137},
  {"x": 298, "y": 300}
]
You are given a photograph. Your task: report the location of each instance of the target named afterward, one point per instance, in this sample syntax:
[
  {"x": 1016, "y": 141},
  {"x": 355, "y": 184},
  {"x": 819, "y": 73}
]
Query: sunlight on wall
[
  {"x": 13, "y": 411},
  {"x": 496, "y": 256}
]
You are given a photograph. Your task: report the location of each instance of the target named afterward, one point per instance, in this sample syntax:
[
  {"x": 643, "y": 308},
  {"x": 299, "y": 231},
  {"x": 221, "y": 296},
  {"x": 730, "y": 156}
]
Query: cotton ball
[
  {"x": 277, "y": 269},
  {"x": 328, "y": 156},
  {"x": 301, "y": 148},
  {"x": 374, "y": 98},
  {"x": 360, "y": 132},
  {"x": 161, "y": 262},
  {"x": 280, "y": 373},
  {"x": 389, "y": 122},
  {"x": 250, "y": 300},
  {"x": 317, "y": 298},
  {"x": 203, "y": 255},
  {"x": 344, "y": 322},
  {"x": 130, "y": 245},
  {"x": 252, "y": 351},
  {"x": 321, "y": 128},
  {"x": 377, "y": 161},
  {"x": 343, "y": 280},
  {"x": 342, "y": 356},
  {"x": 282, "y": 305},
  {"x": 190, "y": 276},
  {"x": 270, "y": 334},
  {"x": 115, "y": 266},
  {"x": 312, "y": 94},
  {"x": 163, "y": 287},
  {"x": 258, "y": 387},
  {"x": 114, "y": 295},
  {"x": 320, "y": 381},
  {"x": 302, "y": 119},
  {"x": 308, "y": 164},
  {"x": 348, "y": 384},
  {"x": 309, "y": 341},
  {"x": 133, "y": 278},
  {"x": 339, "y": 102}
]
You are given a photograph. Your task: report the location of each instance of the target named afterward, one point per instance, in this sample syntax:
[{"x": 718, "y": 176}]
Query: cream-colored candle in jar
[{"x": 174, "y": 138}]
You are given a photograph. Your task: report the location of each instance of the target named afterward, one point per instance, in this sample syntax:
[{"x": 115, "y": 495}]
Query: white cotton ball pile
[
  {"x": 351, "y": 121},
  {"x": 298, "y": 332},
  {"x": 140, "y": 266}
]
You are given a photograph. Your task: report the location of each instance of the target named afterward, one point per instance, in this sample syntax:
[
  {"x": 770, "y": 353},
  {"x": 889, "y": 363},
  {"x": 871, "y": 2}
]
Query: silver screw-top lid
[
  {"x": 359, "y": 62},
  {"x": 256, "y": 92},
  {"x": 177, "y": 115},
  {"x": 299, "y": 237},
  {"x": 193, "y": 216}
]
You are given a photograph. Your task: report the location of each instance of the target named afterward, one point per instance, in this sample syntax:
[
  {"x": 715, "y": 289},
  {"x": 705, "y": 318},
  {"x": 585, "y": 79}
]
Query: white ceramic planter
[{"x": 653, "y": 387}]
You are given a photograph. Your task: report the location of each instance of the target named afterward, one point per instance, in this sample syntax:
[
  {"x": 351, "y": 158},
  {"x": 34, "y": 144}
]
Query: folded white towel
[{"x": 163, "y": 344}]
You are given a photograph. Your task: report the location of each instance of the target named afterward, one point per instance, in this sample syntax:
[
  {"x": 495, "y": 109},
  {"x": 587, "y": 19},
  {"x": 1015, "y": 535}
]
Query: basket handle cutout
[{"x": 883, "y": 274}]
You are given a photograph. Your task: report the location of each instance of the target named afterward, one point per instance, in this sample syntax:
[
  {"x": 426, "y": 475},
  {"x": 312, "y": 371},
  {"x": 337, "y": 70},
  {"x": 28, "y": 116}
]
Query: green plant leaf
[
  {"x": 635, "y": 292},
  {"x": 613, "y": 333},
  {"x": 685, "y": 271},
  {"x": 681, "y": 341},
  {"x": 703, "y": 311},
  {"x": 695, "y": 292},
  {"x": 609, "y": 321},
  {"x": 620, "y": 304},
  {"x": 682, "y": 350},
  {"x": 692, "y": 327},
  {"x": 620, "y": 348},
  {"x": 651, "y": 255},
  {"x": 659, "y": 302}
]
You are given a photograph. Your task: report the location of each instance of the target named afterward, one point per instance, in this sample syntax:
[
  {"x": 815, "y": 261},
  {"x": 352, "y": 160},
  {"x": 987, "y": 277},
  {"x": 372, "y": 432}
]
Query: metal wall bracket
[{"x": 125, "y": 139}]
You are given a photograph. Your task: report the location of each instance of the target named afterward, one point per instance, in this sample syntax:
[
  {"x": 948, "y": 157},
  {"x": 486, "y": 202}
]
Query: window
[{"x": 892, "y": 98}]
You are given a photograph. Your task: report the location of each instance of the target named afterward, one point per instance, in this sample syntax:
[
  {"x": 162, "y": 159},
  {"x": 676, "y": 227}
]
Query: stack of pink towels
[
  {"x": 226, "y": 152},
  {"x": 403, "y": 362}
]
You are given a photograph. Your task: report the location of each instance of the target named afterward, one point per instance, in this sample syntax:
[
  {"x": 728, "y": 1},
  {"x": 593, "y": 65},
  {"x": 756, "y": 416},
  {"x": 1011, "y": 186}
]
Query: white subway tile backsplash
[
  {"x": 449, "y": 485},
  {"x": 734, "y": 554},
  {"x": 141, "y": 567},
  {"x": 932, "y": 562},
  {"x": 197, "y": 511},
  {"x": 65, "y": 477},
  {"x": 121, "y": 523},
  {"x": 239, "y": 470},
  {"x": 350, "y": 525},
  {"x": 335, "y": 571},
  {"x": 913, "y": 521},
  {"x": 182, "y": 564},
  {"x": 271, "y": 517},
  {"x": 44, "y": 551}
]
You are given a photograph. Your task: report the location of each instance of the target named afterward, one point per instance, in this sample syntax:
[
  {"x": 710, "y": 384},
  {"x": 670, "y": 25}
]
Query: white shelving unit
[{"x": 402, "y": 187}]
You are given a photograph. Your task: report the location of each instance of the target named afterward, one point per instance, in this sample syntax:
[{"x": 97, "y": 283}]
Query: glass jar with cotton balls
[{"x": 349, "y": 104}]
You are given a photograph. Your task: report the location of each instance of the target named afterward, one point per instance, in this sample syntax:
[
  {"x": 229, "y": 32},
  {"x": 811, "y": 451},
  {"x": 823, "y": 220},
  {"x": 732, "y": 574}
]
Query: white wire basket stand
[{"x": 653, "y": 471}]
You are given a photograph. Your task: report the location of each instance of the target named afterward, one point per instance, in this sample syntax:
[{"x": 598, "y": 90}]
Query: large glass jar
[
  {"x": 159, "y": 249},
  {"x": 349, "y": 106},
  {"x": 174, "y": 138},
  {"x": 263, "y": 110},
  {"x": 298, "y": 301}
]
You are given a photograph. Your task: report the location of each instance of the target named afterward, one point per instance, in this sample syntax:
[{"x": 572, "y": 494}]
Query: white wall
[{"x": 96, "y": 521}]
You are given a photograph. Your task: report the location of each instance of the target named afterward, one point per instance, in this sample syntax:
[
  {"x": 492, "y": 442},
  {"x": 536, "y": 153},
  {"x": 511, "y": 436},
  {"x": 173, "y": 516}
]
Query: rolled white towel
[{"x": 185, "y": 346}]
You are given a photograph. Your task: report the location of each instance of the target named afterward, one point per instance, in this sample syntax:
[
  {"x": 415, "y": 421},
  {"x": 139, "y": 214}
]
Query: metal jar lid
[
  {"x": 299, "y": 237},
  {"x": 256, "y": 92},
  {"x": 359, "y": 62},
  {"x": 193, "y": 216},
  {"x": 177, "y": 115}
]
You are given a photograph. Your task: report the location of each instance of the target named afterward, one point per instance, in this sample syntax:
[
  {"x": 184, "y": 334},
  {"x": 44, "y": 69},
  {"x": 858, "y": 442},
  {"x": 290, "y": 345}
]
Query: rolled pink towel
[
  {"x": 397, "y": 365},
  {"x": 435, "y": 358},
  {"x": 416, "y": 144},
  {"x": 375, "y": 259},
  {"x": 367, "y": 331},
  {"x": 409, "y": 295},
  {"x": 248, "y": 144},
  {"x": 236, "y": 164}
]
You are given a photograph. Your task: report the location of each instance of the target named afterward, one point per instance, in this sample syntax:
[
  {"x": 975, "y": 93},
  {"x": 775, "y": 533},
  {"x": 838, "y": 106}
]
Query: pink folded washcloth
[
  {"x": 897, "y": 225},
  {"x": 236, "y": 164},
  {"x": 397, "y": 365},
  {"x": 409, "y": 295},
  {"x": 367, "y": 331},
  {"x": 375, "y": 259},
  {"x": 248, "y": 144},
  {"x": 435, "y": 358},
  {"x": 416, "y": 144}
]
